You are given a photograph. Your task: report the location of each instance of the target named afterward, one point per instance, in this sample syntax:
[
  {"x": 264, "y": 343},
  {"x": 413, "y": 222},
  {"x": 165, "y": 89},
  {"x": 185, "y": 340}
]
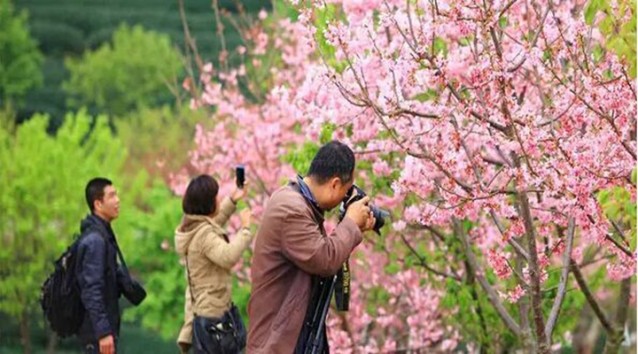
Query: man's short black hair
[
  {"x": 95, "y": 190},
  {"x": 200, "y": 196},
  {"x": 334, "y": 159}
]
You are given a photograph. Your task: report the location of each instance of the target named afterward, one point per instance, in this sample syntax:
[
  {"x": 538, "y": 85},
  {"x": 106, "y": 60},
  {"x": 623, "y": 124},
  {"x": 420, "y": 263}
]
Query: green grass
[{"x": 133, "y": 340}]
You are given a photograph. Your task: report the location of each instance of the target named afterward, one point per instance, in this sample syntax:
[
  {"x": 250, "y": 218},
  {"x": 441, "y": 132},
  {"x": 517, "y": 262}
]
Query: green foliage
[
  {"x": 620, "y": 36},
  {"x": 157, "y": 138},
  {"x": 58, "y": 38},
  {"x": 65, "y": 28},
  {"x": 285, "y": 9},
  {"x": 620, "y": 208},
  {"x": 301, "y": 158},
  {"x": 145, "y": 230},
  {"x": 440, "y": 47},
  {"x": 42, "y": 197},
  {"x": 426, "y": 96},
  {"x": 326, "y": 133},
  {"x": 130, "y": 72},
  {"x": 20, "y": 59},
  {"x": 325, "y": 16}
]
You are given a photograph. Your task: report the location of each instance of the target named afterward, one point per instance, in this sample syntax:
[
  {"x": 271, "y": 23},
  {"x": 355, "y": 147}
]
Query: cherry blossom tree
[
  {"x": 488, "y": 129},
  {"x": 505, "y": 120}
]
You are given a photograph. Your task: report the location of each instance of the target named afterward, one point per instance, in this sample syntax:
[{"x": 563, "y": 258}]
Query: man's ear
[
  {"x": 97, "y": 205},
  {"x": 334, "y": 182}
]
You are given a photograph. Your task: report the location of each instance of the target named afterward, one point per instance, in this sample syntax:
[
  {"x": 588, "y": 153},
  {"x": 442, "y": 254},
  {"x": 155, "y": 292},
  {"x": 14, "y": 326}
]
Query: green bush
[
  {"x": 57, "y": 38},
  {"x": 20, "y": 59},
  {"x": 85, "y": 19},
  {"x": 97, "y": 38},
  {"x": 54, "y": 72},
  {"x": 130, "y": 72},
  {"x": 42, "y": 198}
]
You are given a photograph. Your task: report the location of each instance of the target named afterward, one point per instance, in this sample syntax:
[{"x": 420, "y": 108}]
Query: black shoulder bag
[
  {"x": 132, "y": 290},
  {"x": 213, "y": 335}
]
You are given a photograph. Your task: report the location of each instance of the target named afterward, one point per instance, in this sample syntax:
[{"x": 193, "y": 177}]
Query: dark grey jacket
[{"x": 97, "y": 274}]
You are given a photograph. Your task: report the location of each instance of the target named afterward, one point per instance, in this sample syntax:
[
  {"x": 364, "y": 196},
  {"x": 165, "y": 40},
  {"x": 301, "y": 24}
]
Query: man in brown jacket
[{"x": 292, "y": 247}]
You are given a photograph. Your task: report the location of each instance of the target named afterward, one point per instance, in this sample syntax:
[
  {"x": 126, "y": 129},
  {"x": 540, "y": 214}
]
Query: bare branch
[
  {"x": 517, "y": 247},
  {"x": 619, "y": 245},
  {"x": 220, "y": 34},
  {"x": 536, "y": 36},
  {"x": 590, "y": 297},
  {"x": 479, "y": 273},
  {"x": 189, "y": 45},
  {"x": 425, "y": 265},
  {"x": 614, "y": 339},
  {"x": 618, "y": 230},
  {"x": 562, "y": 286},
  {"x": 507, "y": 7}
]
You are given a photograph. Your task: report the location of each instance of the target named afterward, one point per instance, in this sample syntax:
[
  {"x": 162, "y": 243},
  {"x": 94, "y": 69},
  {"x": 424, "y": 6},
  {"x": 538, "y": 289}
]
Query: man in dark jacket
[
  {"x": 98, "y": 271},
  {"x": 293, "y": 247}
]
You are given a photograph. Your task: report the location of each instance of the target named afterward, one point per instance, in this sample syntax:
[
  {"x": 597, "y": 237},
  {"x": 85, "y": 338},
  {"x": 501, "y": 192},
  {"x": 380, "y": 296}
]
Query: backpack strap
[{"x": 190, "y": 285}]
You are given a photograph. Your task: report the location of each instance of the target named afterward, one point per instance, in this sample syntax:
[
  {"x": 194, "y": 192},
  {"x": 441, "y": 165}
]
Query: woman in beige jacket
[{"x": 207, "y": 252}]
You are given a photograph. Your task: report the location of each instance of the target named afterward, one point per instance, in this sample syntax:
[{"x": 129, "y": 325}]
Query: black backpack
[{"x": 60, "y": 295}]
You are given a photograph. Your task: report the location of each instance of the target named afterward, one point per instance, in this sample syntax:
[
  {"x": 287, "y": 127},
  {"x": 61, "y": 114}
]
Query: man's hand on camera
[
  {"x": 370, "y": 223},
  {"x": 360, "y": 213}
]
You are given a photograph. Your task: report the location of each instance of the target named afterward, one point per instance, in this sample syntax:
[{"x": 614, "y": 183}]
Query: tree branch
[
  {"x": 491, "y": 293},
  {"x": 589, "y": 296},
  {"x": 223, "y": 57},
  {"x": 425, "y": 265},
  {"x": 517, "y": 247},
  {"x": 534, "y": 272},
  {"x": 562, "y": 285},
  {"x": 614, "y": 340},
  {"x": 619, "y": 245},
  {"x": 536, "y": 36}
]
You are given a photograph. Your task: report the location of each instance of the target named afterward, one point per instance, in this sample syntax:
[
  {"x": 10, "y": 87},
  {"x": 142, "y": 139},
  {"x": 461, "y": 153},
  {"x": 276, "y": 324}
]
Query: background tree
[
  {"x": 42, "y": 201},
  {"x": 20, "y": 59},
  {"x": 477, "y": 122},
  {"x": 256, "y": 120},
  {"x": 488, "y": 113},
  {"x": 134, "y": 70}
]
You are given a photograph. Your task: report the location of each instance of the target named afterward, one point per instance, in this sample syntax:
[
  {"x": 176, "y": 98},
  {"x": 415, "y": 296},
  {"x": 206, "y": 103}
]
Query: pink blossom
[
  {"x": 515, "y": 294},
  {"x": 499, "y": 264}
]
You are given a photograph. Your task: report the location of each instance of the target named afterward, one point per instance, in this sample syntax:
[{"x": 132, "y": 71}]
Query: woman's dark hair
[
  {"x": 200, "y": 196},
  {"x": 334, "y": 159}
]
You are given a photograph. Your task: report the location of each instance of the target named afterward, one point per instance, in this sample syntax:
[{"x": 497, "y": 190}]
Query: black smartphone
[{"x": 240, "y": 176}]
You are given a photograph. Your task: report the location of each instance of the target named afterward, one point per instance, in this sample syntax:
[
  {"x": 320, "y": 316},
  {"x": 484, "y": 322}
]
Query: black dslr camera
[
  {"x": 379, "y": 214},
  {"x": 342, "y": 285}
]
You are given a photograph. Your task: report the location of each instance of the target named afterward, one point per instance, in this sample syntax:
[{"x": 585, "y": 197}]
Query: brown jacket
[
  {"x": 210, "y": 260},
  {"x": 291, "y": 246}
]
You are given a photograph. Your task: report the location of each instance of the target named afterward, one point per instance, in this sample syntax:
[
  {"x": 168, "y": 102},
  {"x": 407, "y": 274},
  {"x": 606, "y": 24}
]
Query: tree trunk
[
  {"x": 616, "y": 336},
  {"x": 534, "y": 274},
  {"x": 25, "y": 335},
  {"x": 52, "y": 343},
  {"x": 527, "y": 338}
]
